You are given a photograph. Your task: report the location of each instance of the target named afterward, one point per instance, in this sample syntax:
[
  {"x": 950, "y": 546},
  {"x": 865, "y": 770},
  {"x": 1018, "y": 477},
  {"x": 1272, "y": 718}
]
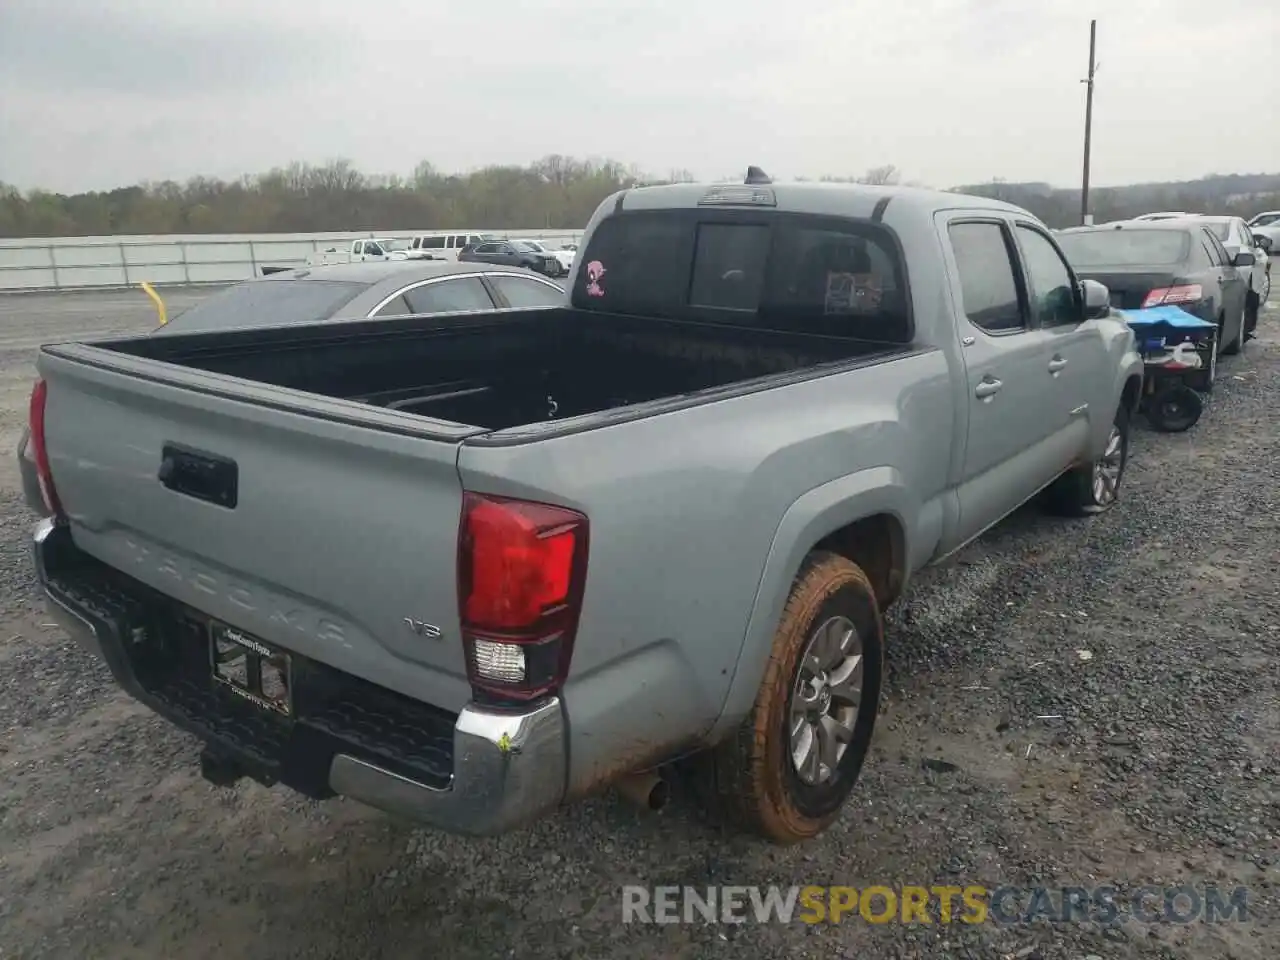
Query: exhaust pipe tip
[{"x": 646, "y": 790}]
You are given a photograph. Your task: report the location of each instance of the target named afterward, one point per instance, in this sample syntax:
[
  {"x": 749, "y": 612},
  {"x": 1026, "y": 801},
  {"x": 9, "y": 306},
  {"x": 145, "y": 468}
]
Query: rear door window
[
  {"x": 525, "y": 292},
  {"x": 445, "y": 296},
  {"x": 1053, "y": 298},
  {"x": 988, "y": 287},
  {"x": 396, "y": 307},
  {"x": 1215, "y": 245}
]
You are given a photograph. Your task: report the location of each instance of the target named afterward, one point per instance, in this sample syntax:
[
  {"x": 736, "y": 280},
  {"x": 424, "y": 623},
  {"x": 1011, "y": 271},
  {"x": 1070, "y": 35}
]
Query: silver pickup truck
[{"x": 469, "y": 568}]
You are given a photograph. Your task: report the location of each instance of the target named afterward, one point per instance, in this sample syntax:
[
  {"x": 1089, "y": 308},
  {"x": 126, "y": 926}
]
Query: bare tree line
[{"x": 553, "y": 192}]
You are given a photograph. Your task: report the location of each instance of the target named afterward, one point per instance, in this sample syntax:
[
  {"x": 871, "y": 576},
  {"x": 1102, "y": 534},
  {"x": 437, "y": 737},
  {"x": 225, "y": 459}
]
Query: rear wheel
[
  {"x": 787, "y": 771},
  {"x": 1095, "y": 488}
]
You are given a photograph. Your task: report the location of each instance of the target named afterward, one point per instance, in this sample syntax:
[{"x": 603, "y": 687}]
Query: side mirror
[
  {"x": 1263, "y": 241},
  {"x": 1244, "y": 260},
  {"x": 1097, "y": 299}
]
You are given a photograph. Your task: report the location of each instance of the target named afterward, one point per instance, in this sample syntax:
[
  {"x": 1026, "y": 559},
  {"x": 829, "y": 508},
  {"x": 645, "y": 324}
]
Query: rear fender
[{"x": 821, "y": 511}]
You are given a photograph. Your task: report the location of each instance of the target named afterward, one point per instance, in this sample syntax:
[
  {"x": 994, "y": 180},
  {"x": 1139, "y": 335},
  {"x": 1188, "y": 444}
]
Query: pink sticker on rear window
[{"x": 595, "y": 270}]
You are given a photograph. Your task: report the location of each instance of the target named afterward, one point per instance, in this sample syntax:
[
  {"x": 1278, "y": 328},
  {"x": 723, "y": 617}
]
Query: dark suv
[{"x": 512, "y": 253}]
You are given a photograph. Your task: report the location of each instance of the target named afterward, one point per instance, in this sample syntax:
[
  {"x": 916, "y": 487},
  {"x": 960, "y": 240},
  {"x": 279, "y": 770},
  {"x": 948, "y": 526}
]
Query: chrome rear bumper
[{"x": 509, "y": 766}]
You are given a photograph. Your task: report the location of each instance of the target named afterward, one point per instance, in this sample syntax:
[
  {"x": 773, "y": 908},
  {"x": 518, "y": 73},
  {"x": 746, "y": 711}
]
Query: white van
[{"x": 444, "y": 246}]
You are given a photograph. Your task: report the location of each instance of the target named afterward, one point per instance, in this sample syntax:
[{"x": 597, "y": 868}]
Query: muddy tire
[
  {"x": 751, "y": 779},
  {"x": 1095, "y": 487}
]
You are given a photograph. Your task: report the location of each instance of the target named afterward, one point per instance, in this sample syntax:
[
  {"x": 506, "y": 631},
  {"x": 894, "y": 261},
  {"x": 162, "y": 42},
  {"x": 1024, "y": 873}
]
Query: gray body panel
[{"x": 700, "y": 516}]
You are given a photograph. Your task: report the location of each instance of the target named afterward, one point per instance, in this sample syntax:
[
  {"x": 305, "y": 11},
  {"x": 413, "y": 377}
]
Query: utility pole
[{"x": 1088, "y": 120}]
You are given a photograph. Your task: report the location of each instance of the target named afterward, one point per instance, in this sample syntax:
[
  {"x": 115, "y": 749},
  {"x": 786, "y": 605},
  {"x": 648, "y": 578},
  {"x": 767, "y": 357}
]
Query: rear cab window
[{"x": 803, "y": 273}]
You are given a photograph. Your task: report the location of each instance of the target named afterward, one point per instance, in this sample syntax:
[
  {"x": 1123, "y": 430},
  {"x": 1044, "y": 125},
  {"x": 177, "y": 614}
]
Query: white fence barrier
[{"x": 69, "y": 263}]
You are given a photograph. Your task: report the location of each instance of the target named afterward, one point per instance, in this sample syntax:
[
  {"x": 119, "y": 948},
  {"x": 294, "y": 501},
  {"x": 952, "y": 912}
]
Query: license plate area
[{"x": 252, "y": 670}]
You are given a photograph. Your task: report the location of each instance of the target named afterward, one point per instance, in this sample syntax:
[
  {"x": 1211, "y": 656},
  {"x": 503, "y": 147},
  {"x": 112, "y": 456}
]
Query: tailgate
[{"x": 341, "y": 544}]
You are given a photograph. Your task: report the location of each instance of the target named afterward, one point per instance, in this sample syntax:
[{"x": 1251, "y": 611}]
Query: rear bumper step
[{"x": 482, "y": 771}]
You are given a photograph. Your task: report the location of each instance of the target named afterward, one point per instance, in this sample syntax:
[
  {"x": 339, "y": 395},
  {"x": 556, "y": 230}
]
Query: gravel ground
[{"x": 1161, "y": 769}]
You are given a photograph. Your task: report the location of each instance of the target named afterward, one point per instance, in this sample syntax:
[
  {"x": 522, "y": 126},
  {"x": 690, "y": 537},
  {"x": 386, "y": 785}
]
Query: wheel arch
[
  {"x": 868, "y": 517},
  {"x": 877, "y": 544}
]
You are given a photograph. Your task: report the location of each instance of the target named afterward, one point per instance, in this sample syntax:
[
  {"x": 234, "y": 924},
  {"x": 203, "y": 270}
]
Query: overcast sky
[{"x": 96, "y": 94}]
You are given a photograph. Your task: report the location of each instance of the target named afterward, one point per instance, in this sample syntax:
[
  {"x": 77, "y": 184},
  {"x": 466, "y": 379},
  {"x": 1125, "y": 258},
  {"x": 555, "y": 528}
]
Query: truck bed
[{"x": 496, "y": 371}]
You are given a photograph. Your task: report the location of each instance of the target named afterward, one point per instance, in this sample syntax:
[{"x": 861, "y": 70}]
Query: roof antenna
[{"x": 756, "y": 175}]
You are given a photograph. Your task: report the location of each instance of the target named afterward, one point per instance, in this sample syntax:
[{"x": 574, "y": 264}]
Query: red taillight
[
  {"x": 521, "y": 571},
  {"x": 1186, "y": 293},
  {"x": 40, "y": 452}
]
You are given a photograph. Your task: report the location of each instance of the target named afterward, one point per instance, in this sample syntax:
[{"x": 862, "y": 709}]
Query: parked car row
[
  {"x": 485, "y": 248},
  {"x": 1181, "y": 262},
  {"x": 1259, "y": 236},
  {"x": 478, "y": 248}
]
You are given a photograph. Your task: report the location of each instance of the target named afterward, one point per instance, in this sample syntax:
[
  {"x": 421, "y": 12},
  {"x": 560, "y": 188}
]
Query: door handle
[
  {"x": 988, "y": 388},
  {"x": 1056, "y": 364}
]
